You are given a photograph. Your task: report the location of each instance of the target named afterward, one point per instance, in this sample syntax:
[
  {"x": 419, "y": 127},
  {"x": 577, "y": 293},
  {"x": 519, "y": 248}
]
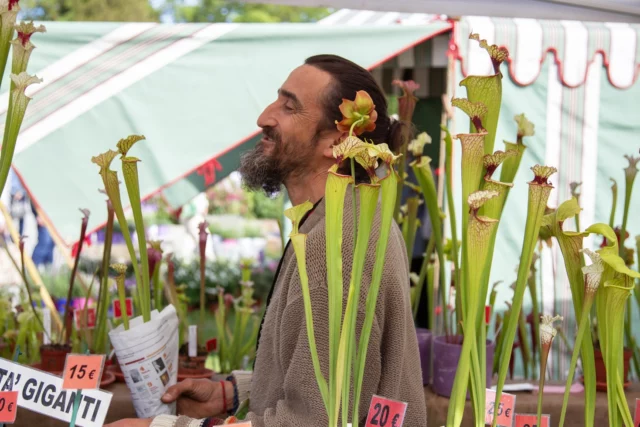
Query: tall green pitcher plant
[{"x": 345, "y": 352}]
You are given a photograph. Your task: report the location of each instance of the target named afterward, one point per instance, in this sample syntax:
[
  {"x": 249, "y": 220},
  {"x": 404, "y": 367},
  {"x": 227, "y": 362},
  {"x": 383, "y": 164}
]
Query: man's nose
[{"x": 267, "y": 118}]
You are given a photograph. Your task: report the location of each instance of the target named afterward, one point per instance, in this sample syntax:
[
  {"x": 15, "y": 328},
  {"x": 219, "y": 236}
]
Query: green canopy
[{"x": 194, "y": 91}]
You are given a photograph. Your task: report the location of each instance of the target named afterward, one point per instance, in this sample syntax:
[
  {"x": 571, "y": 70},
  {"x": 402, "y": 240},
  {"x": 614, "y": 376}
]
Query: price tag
[
  {"x": 636, "y": 422},
  {"x": 82, "y": 371},
  {"x": 385, "y": 413},
  {"x": 91, "y": 319},
  {"x": 487, "y": 314},
  {"x": 531, "y": 420},
  {"x": 8, "y": 406},
  {"x": 506, "y": 408},
  {"x": 212, "y": 345},
  {"x": 117, "y": 310},
  {"x": 193, "y": 340}
]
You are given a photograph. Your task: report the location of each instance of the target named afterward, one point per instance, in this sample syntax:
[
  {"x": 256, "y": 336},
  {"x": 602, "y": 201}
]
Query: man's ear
[{"x": 332, "y": 139}]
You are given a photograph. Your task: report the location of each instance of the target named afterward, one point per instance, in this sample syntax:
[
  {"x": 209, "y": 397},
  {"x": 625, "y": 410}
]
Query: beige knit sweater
[{"x": 284, "y": 392}]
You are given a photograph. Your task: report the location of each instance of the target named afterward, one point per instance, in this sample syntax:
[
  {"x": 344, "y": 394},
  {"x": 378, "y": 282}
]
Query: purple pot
[
  {"x": 424, "y": 345},
  {"x": 445, "y": 363}
]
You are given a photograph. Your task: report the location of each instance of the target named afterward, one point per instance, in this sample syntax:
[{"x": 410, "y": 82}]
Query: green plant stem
[
  {"x": 411, "y": 222},
  {"x": 526, "y": 351},
  {"x": 544, "y": 355},
  {"x": 538, "y": 197},
  {"x": 452, "y": 220},
  {"x": 130, "y": 172},
  {"x": 123, "y": 301},
  {"x": 103, "y": 294},
  {"x": 614, "y": 201},
  {"x": 157, "y": 287},
  {"x": 582, "y": 328},
  {"x": 628, "y": 188},
  {"x": 388, "y": 189},
  {"x": 536, "y": 314},
  {"x": 424, "y": 175},
  {"x": 368, "y": 202},
  {"x": 423, "y": 276},
  {"x": 479, "y": 232},
  {"x": 336, "y": 188}
]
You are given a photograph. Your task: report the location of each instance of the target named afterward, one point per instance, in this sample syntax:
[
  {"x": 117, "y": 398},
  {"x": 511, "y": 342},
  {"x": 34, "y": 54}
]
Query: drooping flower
[
  {"x": 547, "y": 331},
  {"x": 406, "y": 102},
  {"x": 359, "y": 114},
  {"x": 416, "y": 146},
  {"x": 525, "y": 127}
]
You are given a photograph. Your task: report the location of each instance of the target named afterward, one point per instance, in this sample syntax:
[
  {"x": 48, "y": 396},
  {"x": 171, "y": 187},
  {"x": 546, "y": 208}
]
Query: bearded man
[{"x": 299, "y": 133}]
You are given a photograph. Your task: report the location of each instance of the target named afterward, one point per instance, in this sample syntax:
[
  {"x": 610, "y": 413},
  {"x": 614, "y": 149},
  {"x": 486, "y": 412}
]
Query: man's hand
[
  {"x": 131, "y": 422},
  {"x": 199, "y": 398}
]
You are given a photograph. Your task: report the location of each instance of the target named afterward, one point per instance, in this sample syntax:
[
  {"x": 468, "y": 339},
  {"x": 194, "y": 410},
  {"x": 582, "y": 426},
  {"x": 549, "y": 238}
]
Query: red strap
[{"x": 224, "y": 398}]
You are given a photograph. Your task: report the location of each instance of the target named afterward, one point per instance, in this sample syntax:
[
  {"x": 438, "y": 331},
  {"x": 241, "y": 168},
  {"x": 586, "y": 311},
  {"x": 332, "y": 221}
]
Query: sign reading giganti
[{"x": 42, "y": 392}]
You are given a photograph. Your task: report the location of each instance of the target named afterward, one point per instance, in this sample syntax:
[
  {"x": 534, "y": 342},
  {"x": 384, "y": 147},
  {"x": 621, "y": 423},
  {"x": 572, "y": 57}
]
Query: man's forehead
[{"x": 306, "y": 83}]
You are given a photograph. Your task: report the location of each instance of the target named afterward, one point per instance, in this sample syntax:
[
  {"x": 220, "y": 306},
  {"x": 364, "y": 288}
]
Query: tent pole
[
  {"x": 31, "y": 268},
  {"x": 62, "y": 247}
]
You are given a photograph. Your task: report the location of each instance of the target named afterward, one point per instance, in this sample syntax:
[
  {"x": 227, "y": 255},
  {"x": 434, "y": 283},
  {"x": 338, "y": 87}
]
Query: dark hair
[{"x": 348, "y": 78}]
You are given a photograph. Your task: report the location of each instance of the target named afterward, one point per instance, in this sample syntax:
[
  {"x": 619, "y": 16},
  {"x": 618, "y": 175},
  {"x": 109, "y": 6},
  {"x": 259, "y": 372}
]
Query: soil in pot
[
  {"x": 424, "y": 346},
  {"x": 446, "y": 351},
  {"x": 192, "y": 362},
  {"x": 53, "y": 356},
  {"x": 601, "y": 371}
]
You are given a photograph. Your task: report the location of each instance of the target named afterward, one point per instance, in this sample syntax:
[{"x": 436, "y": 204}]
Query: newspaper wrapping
[{"x": 148, "y": 356}]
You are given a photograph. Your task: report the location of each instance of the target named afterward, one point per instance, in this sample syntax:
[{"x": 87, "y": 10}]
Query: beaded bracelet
[{"x": 236, "y": 398}]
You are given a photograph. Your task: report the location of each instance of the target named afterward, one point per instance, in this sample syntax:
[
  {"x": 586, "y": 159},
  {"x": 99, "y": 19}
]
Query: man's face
[{"x": 291, "y": 144}]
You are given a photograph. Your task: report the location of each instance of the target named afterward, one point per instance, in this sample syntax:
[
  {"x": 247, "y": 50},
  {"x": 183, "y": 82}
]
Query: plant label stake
[
  {"x": 385, "y": 413},
  {"x": 531, "y": 420},
  {"x": 46, "y": 322},
  {"x": 636, "y": 421},
  {"x": 80, "y": 320},
  {"x": 117, "y": 310},
  {"x": 506, "y": 408},
  {"x": 193, "y": 340},
  {"x": 8, "y": 407}
]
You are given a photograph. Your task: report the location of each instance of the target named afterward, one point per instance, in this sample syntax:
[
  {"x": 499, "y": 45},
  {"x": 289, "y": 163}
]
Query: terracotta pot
[
  {"x": 445, "y": 363},
  {"x": 601, "y": 371},
  {"x": 195, "y": 373},
  {"x": 52, "y": 357},
  {"x": 192, "y": 362}
]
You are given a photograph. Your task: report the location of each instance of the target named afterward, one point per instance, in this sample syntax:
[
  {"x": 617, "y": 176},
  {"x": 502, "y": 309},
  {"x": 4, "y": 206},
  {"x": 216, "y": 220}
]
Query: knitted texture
[{"x": 284, "y": 391}]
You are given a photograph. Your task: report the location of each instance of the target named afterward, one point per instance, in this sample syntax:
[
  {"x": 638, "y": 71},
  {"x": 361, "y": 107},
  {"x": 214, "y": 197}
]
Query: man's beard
[{"x": 268, "y": 171}]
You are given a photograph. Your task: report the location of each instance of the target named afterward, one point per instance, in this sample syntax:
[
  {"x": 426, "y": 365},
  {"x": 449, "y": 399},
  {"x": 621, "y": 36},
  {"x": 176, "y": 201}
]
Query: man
[{"x": 299, "y": 133}]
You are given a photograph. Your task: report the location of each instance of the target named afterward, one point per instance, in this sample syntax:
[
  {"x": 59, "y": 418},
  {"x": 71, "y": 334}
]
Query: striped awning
[{"x": 194, "y": 90}]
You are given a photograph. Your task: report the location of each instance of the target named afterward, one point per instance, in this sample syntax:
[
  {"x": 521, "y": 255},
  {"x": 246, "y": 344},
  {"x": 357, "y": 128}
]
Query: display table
[
  {"x": 121, "y": 407},
  {"x": 527, "y": 403}
]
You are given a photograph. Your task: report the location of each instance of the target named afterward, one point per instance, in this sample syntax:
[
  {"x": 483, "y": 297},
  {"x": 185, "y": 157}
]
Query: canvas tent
[
  {"x": 194, "y": 90},
  {"x": 579, "y": 10}
]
